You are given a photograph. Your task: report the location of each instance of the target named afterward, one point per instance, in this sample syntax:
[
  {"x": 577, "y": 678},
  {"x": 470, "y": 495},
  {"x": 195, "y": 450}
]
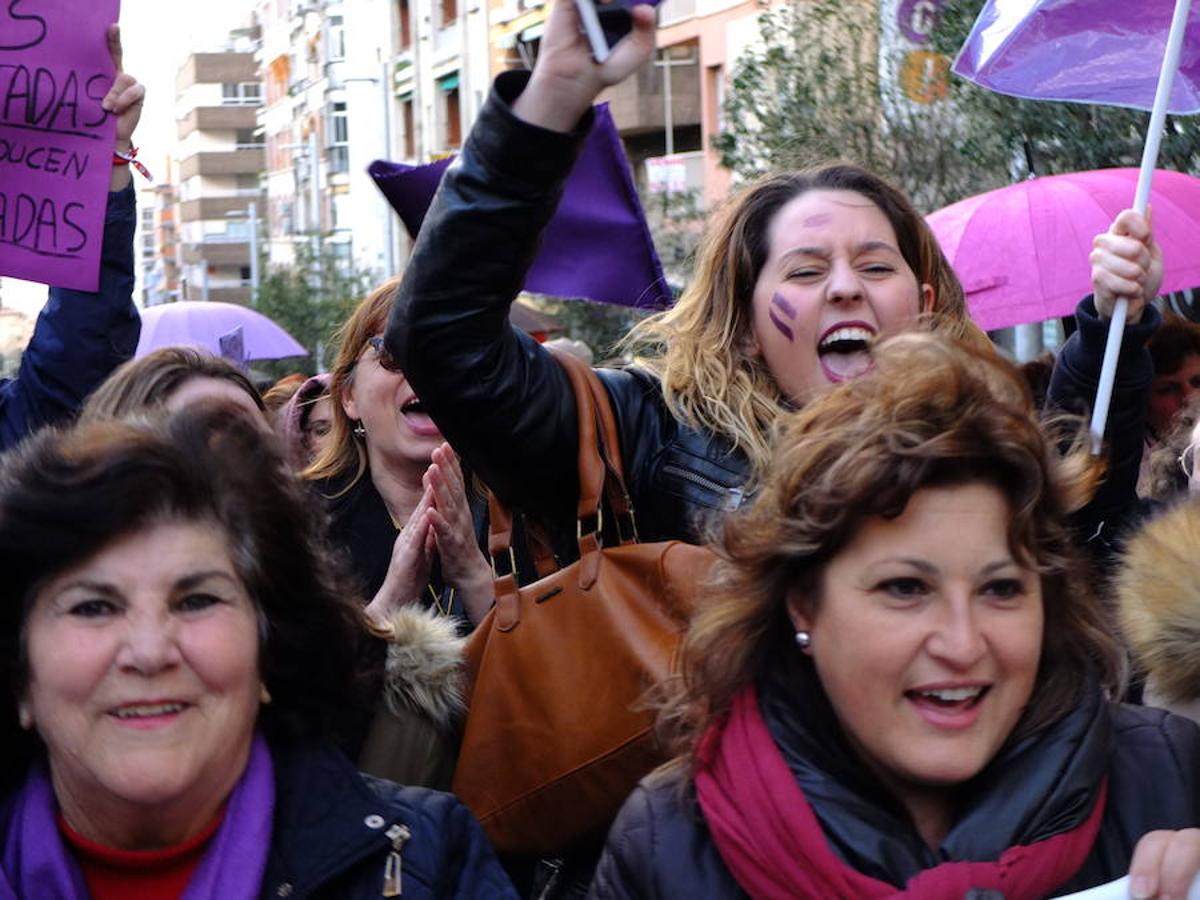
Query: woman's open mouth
[
  {"x": 845, "y": 351},
  {"x": 418, "y": 420},
  {"x": 949, "y": 707}
]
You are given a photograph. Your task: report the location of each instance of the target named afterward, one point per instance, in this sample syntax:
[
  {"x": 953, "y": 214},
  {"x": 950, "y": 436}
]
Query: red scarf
[{"x": 774, "y": 846}]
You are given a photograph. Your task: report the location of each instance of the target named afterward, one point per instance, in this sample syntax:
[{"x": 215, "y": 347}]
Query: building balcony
[
  {"x": 230, "y": 162},
  {"x": 218, "y": 207},
  {"x": 217, "y": 252},
  {"x": 216, "y": 68},
  {"x": 638, "y": 104},
  {"x": 227, "y": 117},
  {"x": 229, "y": 295}
]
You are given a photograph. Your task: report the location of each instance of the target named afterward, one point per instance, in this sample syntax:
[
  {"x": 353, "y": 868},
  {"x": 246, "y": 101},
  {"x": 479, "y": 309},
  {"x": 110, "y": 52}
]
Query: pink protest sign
[{"x": 56, "y": 141}]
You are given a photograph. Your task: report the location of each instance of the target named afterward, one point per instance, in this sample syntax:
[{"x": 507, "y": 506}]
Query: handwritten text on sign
[{"x": 56, "y": 141}]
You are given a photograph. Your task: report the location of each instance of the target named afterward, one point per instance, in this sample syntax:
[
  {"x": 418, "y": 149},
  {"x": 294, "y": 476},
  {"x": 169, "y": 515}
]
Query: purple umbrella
[
  {"x": 597, "y": 245},
  {"x": 1021, "y": 252},
  {"x": 193, "y": 323}
]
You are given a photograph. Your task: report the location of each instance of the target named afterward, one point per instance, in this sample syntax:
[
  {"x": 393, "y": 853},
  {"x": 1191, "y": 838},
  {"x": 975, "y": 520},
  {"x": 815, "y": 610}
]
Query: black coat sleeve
[
  {"x": 1073, "y": 389},
  {"x": 498, "y": 397}
]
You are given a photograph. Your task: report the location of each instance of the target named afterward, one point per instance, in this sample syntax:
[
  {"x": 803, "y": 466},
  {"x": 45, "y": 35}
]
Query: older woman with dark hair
[
  {"x": 177, "y": 656},
  {"x": 897, "y": 686}
]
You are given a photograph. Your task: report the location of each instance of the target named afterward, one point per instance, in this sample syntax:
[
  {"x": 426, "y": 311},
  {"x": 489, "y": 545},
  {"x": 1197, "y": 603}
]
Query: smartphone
[{"x": 606, "y": 23}]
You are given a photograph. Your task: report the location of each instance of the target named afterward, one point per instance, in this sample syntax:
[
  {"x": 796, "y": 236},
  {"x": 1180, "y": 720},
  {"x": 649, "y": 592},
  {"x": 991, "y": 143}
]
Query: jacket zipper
[
  {"x": 392, "y": 883},
  {"x": 733, "y": 495}
]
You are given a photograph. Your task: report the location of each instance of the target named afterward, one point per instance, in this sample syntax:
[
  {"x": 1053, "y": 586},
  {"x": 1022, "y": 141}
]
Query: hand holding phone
[{"x": 606, "y": 23}]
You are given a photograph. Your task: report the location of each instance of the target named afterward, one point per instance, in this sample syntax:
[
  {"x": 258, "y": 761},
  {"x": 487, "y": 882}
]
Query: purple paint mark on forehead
[
  {"x": 817, "y": 221},
  {"x": 778, "y": 300},
  {"x": 783, "y": 329}
]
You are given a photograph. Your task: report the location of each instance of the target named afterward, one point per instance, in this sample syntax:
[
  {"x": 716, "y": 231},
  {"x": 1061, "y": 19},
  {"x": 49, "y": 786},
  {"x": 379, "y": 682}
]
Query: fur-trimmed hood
[
  {"x": 1158, "y": 592},
  {"x": 426, "y": 669}
]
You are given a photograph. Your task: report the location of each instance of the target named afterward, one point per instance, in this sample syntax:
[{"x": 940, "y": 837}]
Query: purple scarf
[{"x": 36, "y": 862}]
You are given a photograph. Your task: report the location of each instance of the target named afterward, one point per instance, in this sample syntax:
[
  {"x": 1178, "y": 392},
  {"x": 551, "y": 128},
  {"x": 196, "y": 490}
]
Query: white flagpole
[{"x": 1158, "y": 117}]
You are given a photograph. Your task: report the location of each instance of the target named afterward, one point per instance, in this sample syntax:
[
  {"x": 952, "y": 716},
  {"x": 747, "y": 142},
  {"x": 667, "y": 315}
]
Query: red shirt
[{"x": 138, "y": 874}]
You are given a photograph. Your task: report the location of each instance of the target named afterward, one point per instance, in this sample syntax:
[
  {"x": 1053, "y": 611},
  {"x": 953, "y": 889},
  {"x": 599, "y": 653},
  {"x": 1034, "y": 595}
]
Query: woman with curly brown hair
[{"x": 896, "y": 685}]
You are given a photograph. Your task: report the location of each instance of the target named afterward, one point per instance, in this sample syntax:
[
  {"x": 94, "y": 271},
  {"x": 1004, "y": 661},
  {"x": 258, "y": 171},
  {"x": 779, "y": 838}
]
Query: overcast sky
[{"x": 157, "y": 36}]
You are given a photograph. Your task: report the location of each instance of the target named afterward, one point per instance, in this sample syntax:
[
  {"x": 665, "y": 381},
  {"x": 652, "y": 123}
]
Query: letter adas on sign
[{"x": 56, "y": 140}]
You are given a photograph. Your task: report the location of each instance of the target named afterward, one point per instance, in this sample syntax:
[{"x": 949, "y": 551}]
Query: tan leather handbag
[{"x": 555, "y": 736}]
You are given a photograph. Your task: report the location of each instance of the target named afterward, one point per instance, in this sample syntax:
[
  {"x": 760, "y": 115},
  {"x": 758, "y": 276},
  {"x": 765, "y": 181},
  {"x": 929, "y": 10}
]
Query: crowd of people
[{"x": 944, "y": 651}]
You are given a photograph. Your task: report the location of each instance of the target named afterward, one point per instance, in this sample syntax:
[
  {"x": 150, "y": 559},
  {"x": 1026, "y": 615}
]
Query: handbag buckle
[
  {"x": 512, "y": 564},
  {"x": 579, "y": 532}
]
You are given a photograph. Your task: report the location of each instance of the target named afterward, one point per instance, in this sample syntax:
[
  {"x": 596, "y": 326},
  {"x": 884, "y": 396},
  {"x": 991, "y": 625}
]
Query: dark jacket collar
[
  {"x": 1038, "y": 787},
  {"x": 327, "y": 819}
]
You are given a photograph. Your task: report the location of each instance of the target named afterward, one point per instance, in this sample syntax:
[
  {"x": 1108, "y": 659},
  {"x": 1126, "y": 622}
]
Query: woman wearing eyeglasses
[
  {"x": 396, "y": 493},
  {"x": 399, "y": 508}
]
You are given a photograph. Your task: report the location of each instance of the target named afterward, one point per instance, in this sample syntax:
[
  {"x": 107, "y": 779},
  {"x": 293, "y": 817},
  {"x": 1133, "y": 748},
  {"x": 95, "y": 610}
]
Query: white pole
[
  {"x": 668, "y": 119},
  {"x": 1158, "y": 116},
  {"x": 252, "y": 212}
]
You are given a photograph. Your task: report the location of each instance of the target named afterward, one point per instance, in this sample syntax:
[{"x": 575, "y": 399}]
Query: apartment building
[
  {"x": 328, "y": 112},
  {"x": 219, "y": 161},
  {"x": 159, "y": 207}
]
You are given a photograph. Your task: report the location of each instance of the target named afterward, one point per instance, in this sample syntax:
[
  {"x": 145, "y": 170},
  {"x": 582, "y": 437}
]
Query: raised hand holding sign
[{"x": 57, "y": 134}]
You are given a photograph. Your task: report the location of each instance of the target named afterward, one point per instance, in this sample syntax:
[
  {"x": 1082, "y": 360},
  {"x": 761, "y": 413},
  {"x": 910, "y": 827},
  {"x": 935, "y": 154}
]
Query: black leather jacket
[
  {"x": 497, "y": 396},
  {"x": 660, "y": 846}
]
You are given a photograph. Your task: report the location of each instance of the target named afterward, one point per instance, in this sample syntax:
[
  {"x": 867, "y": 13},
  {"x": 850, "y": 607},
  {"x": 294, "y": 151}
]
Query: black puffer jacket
[
  {"x": 330, "y": 837},
  {"x": 498, "y": 397},
  {"x": 1047, "y": 784}
]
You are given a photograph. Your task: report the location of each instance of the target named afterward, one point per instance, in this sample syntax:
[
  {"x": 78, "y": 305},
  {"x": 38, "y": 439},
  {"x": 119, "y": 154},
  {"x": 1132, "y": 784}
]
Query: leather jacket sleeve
[
  {"x": 80, "y": 336},
  {"x": 497, "y": 396}
]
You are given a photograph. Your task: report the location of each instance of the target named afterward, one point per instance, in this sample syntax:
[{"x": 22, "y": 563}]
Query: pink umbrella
[
  {"x": 1021, "y": 252},
  {"x": 194, "y": 323}
]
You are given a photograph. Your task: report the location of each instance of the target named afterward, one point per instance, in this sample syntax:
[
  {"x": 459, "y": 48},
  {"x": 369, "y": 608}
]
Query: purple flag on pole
[
  {"x": 1086, "y": 51},
  {"x": 597, "y": 245}
]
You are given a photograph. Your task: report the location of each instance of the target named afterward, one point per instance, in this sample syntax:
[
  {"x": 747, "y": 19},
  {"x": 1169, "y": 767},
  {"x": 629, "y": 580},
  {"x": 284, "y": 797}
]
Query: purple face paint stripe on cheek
[
  {"x": 783, "y": 329},
  {"x": 784, "y": 306}
]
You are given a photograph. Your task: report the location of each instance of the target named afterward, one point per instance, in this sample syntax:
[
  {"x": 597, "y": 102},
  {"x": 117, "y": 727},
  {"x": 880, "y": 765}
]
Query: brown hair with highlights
[
  {"x": 933, "y": 412},
  {"x": 701, "y": 348}
]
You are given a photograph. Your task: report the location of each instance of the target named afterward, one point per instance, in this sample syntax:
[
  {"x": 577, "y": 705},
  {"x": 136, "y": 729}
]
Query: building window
[
  {"x": 449, "y": 12},
  {"x": 453, "y": 125},
  {"x": 337, "y": 39},
  {"x": 451, "y": 112},
  {"x": 407, "y": 119},
  {"x": 405, "y": 24},
  {"x": 246, "y": 93},
  {"x": 339, "y": 138}
]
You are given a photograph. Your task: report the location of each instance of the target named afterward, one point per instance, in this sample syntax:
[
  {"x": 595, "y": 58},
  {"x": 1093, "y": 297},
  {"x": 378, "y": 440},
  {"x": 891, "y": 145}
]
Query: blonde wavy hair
[
  {"x": 701, "y": 348},
  {"x": 344, "y": 452},
  {"x": 932, "y": 412}
]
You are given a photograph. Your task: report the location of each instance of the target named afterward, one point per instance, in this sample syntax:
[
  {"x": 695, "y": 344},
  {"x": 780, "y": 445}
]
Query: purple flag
[
  {"x": 1086, "y": 51},
  {"x": 56, "y": 141},
  {"x": 597, "y": 245}
]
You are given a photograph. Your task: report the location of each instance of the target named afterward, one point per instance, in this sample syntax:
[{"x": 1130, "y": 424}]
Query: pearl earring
[{"x": 803, "y": 640}]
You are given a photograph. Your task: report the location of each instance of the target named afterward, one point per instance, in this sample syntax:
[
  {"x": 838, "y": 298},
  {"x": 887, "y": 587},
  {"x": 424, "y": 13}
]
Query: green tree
[
  {"x": 812, "y": 91},
  {"x": 1044, "y": 138},
  {"x": 311, "y": 299}
]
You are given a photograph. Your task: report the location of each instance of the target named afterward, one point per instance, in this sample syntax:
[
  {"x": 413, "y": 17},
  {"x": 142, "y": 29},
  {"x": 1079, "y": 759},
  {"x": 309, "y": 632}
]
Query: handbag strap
[{"x": 601, "y": 477}]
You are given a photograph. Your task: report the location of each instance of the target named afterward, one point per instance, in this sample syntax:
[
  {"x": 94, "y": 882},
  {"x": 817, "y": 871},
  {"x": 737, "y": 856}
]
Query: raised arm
[
  {"x": 80, "y": 336},
  {"x": 499, "y": 399},
  {"x": 1126, "y": 262}
]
